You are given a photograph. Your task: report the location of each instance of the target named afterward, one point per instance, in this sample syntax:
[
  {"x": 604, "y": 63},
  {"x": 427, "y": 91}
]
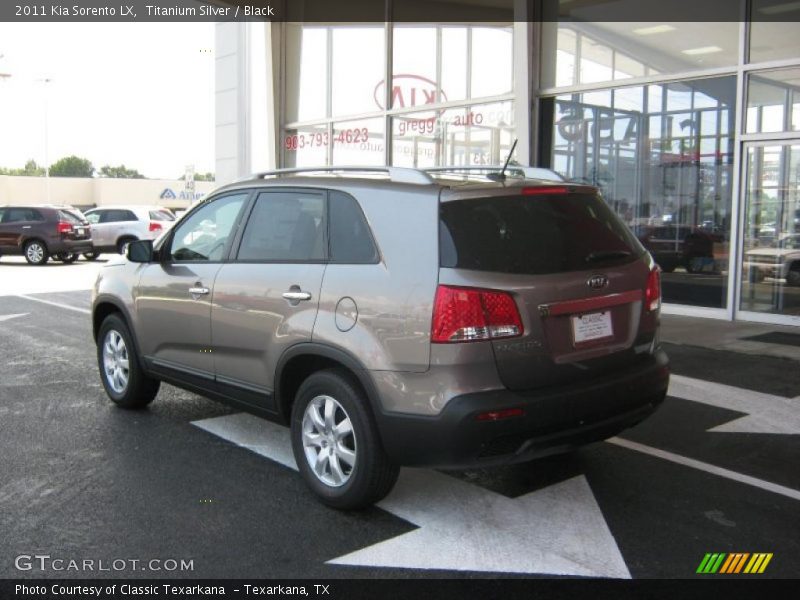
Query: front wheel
[
  {"x": 120, "y": 369},
  {"x": 336, "y": 443},
  {"x": 91, "y": 255}
]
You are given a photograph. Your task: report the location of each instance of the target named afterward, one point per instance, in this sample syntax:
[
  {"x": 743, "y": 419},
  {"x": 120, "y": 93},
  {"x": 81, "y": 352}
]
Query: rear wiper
[{"x": 606, "y": 255}]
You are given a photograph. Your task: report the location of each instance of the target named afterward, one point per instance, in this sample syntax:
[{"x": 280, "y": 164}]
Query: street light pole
[{"x": 46, "y": 81}]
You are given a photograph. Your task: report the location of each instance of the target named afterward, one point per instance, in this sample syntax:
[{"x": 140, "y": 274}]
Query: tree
[
  {"x": 120, "y": 172},
  {"x": 199, "y": 177},
  {"x": 72, "y": 166},
  {"x": 31, "y": 169}
]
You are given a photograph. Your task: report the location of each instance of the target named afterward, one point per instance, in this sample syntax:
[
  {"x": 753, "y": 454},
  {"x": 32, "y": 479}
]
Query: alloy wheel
[
  {"x": 329, "y": 441},
  {"x": 116, "y": 363}
]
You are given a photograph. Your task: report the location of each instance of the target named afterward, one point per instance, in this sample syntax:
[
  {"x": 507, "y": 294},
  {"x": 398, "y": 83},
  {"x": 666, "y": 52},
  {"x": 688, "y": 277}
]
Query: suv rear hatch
[{"x": 585, "y": 288}]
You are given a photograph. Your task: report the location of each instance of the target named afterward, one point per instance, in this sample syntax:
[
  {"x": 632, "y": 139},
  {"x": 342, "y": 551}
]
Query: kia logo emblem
[{"x": 597, "y": 282}]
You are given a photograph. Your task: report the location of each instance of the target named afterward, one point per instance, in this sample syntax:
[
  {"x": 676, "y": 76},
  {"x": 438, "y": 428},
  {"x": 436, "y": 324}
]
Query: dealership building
[{"x": 690, "y": 128}]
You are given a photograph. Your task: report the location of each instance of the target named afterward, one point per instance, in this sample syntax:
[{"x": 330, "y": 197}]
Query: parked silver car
[
  {"x": 780, "y": 260},
  {"x": 113, "y": 227},
  {"x": 392, "y": 317}
]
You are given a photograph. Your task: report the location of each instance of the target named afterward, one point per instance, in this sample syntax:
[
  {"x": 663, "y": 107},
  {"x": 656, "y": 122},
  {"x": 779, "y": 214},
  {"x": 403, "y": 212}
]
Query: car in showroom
[
  {"x": 779, "y": 260},
  {"x": 42, "y": 232},
  {"x": 393, "y": 317},
  {"x": 113, "y": 227}
]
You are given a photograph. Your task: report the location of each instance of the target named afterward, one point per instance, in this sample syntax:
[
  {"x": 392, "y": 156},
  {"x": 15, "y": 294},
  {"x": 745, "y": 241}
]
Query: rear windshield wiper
[{"x": 606, "y": 255}]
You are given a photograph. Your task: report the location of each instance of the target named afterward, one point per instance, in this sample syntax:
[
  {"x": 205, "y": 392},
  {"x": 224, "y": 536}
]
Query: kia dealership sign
[{"x": 409, "y": 90}]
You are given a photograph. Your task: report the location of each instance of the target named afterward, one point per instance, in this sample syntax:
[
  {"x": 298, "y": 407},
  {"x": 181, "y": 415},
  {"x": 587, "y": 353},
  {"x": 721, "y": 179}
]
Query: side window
[
  {"x": 94, "y": 217},
  {"x": 128, "y": 215},
  {"x": 18, "y": 215},
  {"x": 2, "y": 212},
  {"x": 285, "y": 226},
  {"x": 108, "y": 216},
  {"x": 351, "y": 240},
  {"x": 206, "y": 233},
  {"x": 35, "y": 215}
]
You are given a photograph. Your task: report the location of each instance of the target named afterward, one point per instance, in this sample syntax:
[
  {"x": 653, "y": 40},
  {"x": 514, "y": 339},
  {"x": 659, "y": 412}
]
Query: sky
[{"x": 139, "y": 94}]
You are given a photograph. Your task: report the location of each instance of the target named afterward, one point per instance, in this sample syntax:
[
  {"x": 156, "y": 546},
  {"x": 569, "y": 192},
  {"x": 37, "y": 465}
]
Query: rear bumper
[
  {"x": 555, "y": 420},
  {"x": 71, "y": 246}
]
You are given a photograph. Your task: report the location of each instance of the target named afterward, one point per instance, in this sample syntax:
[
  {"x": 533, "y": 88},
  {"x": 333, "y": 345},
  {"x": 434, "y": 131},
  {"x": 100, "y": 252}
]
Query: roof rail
[{"x": 396, "y": 174}]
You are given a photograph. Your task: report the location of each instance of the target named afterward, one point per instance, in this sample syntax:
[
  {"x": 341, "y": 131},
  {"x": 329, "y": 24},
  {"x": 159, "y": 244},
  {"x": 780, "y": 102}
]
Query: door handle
[
  {"x": 297, "y": 296},
  {"x": 26, "y": 226},
  {"x": 198, "y": 291}
]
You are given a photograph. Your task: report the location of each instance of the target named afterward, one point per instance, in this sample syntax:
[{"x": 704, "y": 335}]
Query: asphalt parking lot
[{"x": 714, "y": 470}]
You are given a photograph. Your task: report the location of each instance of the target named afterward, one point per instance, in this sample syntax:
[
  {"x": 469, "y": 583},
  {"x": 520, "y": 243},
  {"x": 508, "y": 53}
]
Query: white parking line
[
  {"x": 84, "y": 311},
  {"x": 701, "y": 466}
]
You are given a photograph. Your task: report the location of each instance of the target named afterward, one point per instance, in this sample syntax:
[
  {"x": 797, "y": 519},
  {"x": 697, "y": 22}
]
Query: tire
[
  {"x": 131, "y": 388},
  {"x": 36, "y": 252},
  {"x": 91, "y": 255},
  {"x": 66, "y": 257},
  {"x": 695, "y": 265},
  {"x": 793, "y": 275},
  {"x": 122, "y": 242},
  {"x": 371, "y": 475}
]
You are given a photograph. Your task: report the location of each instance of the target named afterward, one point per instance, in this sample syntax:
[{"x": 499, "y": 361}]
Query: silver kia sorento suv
[{"x": 393, "y": 317}]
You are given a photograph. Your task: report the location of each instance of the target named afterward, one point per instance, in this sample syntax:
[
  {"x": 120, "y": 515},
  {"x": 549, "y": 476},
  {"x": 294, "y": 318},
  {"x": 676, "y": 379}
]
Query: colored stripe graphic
[
  {"x": 711, "y": 562},
  {"x": 758, "y": 563},
  {"x": 734, "y": 563}
]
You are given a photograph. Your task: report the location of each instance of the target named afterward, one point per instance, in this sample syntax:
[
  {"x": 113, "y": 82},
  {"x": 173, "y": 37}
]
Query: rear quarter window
[
  {"x": 533, "y": 234},
  {"x": 351, "y": 240}
]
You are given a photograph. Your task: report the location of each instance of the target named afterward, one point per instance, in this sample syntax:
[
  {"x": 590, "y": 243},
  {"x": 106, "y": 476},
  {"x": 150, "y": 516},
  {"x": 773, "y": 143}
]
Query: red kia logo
[{"x": 409, "y": 90}]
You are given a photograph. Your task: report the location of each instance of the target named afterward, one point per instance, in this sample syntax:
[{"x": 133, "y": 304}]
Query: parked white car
[
  {"x": 114, "y": 227},
  {"x": 781, "y": 260}
]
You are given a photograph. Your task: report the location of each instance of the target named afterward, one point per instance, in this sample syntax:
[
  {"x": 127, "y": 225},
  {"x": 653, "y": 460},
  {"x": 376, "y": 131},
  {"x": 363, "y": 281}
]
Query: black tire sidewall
[
  {"x": 357, "y": 492},
  {"x": 139, "y": 392}
]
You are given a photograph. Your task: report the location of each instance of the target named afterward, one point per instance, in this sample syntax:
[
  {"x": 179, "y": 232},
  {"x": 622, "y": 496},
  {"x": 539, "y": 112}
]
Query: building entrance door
[{"x": 770, "y": 261}]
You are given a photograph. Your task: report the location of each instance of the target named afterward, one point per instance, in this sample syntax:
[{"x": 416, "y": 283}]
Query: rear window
[
  {"x": 69, "y": 217},
  {"x": 160, "y": 215},
  {"x": 533, "y": 234}
]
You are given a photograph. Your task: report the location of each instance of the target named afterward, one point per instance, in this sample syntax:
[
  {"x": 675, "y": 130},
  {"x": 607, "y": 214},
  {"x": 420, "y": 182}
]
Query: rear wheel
[
  {"x": 336, "y": 443},
  {"x": 36, "y": 252},
  {"x": 122, "y": 243},
  {"x": 793, "y": 276},
  {"x": 66, "y": 257},
  {"x": 120, "y": 368}
]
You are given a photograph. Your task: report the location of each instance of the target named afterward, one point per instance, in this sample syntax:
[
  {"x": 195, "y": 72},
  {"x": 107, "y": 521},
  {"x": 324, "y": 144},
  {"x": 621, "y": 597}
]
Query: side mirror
[{"x": 140, "y": 251}]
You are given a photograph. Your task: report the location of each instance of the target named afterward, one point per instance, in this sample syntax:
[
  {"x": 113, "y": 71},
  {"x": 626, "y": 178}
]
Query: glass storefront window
[
  {"x": 578, "y": 50},
  {"x": 773, "y": 101},
  {"x": 771, "y": 257},
  {"x": 444, "y": 63},
  {"x": 475, "y": 135},
  {"x": 306, "y": 73},
  {"x": 662, "y": 155},
  {"x": 357, "y": 66},
  {"x": 306, "y": 146},
  {"x": 775, "y": 30},
  {"x": 358, "y": 142}
]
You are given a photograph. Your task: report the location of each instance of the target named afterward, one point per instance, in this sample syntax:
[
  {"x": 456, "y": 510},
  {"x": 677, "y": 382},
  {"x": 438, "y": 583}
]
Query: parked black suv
[{"x": 39, "y": 232}]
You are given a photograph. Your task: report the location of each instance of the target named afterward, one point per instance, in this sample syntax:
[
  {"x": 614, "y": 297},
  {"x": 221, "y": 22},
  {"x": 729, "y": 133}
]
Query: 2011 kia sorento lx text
[{"x": 393, "y": 317}]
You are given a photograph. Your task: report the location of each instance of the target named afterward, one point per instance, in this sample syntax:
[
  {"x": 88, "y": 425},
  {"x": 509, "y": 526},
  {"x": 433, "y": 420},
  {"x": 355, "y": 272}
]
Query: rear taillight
[
  {"x": 652, "y": 293},
  {"x": 470, "y": 314},
  {"x": 63, "y": 227},
  {"x": 155, "y": 226}
]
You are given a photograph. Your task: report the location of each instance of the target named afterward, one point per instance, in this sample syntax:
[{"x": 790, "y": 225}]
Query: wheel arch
[
  {"x": 302, "y": 360},
  {"x": 108, "y": 305}
]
